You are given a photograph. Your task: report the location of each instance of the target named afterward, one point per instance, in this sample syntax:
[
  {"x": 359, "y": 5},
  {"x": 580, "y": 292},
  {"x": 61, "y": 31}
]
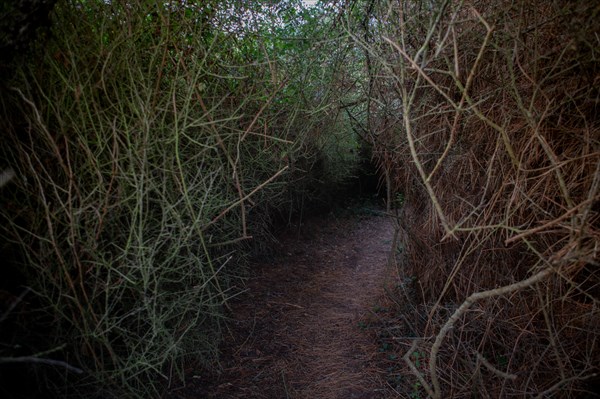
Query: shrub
[{"x": 485, "y": 116}]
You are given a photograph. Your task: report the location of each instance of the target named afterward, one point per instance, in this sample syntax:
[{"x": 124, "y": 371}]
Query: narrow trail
[{"x": 299, "y": 330}]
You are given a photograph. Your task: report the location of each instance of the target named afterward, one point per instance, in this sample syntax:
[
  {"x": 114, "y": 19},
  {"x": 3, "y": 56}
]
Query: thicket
[
  {"x": 145, "y": 144},
  {"x": 486, "y": 117}
]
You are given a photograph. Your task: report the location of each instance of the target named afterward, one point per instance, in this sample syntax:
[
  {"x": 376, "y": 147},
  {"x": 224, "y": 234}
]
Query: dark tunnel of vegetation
[{"x": 148, "y": 147}]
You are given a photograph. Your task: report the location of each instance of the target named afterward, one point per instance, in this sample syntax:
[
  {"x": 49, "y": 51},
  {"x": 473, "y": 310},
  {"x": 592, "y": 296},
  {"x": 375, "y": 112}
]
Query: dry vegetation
[
  {"x": 144, "y": 143},
  {"x": 486, "y": 117}
]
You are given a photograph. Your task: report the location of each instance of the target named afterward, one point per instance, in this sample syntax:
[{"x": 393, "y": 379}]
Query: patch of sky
[{"x": 309, "y": 3}]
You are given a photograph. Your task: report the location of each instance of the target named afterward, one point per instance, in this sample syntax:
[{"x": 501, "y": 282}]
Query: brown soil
[{"x": 299, "y": 331}]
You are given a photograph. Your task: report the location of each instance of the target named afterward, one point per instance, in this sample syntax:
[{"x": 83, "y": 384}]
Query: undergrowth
[
  {"x": 146, "y": 144},
  {"x": 485, "y": 117},
  {"x": 149, "y": 142}
]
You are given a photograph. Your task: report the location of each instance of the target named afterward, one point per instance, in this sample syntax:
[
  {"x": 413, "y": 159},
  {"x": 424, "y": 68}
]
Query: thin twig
[
  {"x": 414, "y": 370},
  {"x": 14, "y": 304},
  {"x": 236, "y": 203},
  {"x": 550, "y": 223},
  {"x": 33, "y": 359},
  {"x": 493, "y": 369},
  {"x": 37, "y": 359}
]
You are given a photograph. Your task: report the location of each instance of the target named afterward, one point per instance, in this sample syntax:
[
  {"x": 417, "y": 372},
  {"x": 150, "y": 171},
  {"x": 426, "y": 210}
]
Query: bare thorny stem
[
  {"x": 464, "y": 308},
  {"x": 411, "y": 73}
]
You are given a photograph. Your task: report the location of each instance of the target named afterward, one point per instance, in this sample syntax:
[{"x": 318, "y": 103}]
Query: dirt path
[{"x": 299, "y": 331}]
